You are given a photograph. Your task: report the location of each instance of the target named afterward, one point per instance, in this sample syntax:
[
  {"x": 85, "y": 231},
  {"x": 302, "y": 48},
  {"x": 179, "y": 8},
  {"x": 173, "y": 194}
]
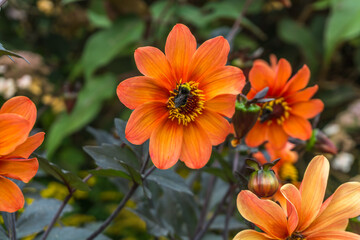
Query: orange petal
[
  {"x": 312, "y": 190},
  {"x": 257, "y": 135},
  {"x": 308, "y": 109},
  {"x": 261, "y": 76},
  {"x": 152, "y": 63},
  {"x": 283, "y": 73},
  {"x": 277, "y": 136},
  {"x": 211, "y": 55},
  {"x": 251, "y": 235},
  {"x": 344, "y": 204},
  {"x": 196, "y": 148},
  {"x": 333, "y": 235},
  {"x": 226, "y": 80},
  {"x": 165, "y": 144},
  {"x": 143, "y": 120},
  {"x": 135, "y": 91},
  {"x": 298, "y": 127},
  {"x": 214, "y": 125},
  {"x": 298, "y": 81},
  {"x": 179, "y": 49},
  {"x": 265, "y": 214},
  {"x": 302, "y": 96},
  {"x": 12, "y": 198},
  {"x": 223, "y": 104},
  {"x": 292, "y": 195},
  {"x": 14, "y": 130},
  {"x": 29, "y": 146},
  {"x": 20, "y": 169},
  {"x": 251, "y": 94},
  {"x": 21, "y": 105}
]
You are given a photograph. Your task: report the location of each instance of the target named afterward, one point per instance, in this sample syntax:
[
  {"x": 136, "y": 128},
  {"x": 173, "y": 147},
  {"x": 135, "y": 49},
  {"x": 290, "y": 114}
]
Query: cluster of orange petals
[
  {"x": 305, "y": 215},
  {"x": 293, "y": 100},
  {"x": 17, "y": 118},
  {"x": 187, "y": 136}
]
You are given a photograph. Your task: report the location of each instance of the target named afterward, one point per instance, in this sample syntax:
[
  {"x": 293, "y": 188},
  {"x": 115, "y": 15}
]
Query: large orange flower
[
  {"x": 288, "y": 114},
  {"x": 17, "y": 118},
  {"x": 305, "y": 215},
  {"x": 181, "y": 101}
]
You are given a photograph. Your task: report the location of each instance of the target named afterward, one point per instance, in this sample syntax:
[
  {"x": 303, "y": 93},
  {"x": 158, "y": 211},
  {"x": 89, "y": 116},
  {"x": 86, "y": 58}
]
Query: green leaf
[
  {"x": 105, "y": 45},
  {"x": 109, "y": 173},
  {"x": 226, "y": 167},
  {"x": 169, "y": 179},
  {"x": 3, "y": 51},
  {"x": 88, "y": 105},
  {"x": 3, "y": 234},
  {"x": 37, "y": 216},
  {"x": 68, "y": 178},
  {"x": 71, "y": 233},
  {"x": 102, "y": 136},
  {"x": 343, "y": 24}
]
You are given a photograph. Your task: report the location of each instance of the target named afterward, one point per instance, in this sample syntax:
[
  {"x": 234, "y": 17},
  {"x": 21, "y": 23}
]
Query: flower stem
[
  {"x": 11, "y": 226},
  {"x": 236, "y": 26}
]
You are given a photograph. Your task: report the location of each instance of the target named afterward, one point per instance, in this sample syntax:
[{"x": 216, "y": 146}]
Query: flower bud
[
  {"x": 263, "y": 181},
  {"x": 244, "y": 119},
  {"x": 321, "y": 143}
]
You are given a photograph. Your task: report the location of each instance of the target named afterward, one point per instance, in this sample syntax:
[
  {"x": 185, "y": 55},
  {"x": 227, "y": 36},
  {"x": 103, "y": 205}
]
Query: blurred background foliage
[{"x": 80, "y": 50}]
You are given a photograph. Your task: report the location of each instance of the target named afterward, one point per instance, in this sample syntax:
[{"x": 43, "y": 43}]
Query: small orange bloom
[
  {"x": 17, "y": 118},
  {"x": 288, "y": 114},
  {"x": 181, "y": 101},
  {"x": 305, "y": 215}
]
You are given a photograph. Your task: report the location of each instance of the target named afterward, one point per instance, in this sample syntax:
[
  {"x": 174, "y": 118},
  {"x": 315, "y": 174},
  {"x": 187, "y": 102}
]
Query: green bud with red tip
[{"x": 263, "y": 181}]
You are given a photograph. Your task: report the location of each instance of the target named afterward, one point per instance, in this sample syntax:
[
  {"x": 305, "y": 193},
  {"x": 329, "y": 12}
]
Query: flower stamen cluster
[{"x": 277, "y": 110}]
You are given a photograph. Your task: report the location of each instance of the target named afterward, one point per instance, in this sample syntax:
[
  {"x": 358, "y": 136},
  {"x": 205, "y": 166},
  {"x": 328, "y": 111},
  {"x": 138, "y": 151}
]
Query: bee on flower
[{"x": 182, "y": 99}]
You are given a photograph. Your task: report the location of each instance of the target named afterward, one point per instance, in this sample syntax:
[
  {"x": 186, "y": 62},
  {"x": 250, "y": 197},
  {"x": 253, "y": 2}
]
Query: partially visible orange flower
[
  {"x": 288, "y": 114},
  {"x": 17, "y": 118},
  {"x": 305, "y": 215},
  {"x": 181, "y": 101}
]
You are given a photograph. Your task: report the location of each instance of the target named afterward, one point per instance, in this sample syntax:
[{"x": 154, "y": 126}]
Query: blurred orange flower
[
  {"x": 181, "y": 101},
  {"x": 17, "y": 118},
  {"x": 305, "y": 215},
  {"x": 288, "y": 114}
]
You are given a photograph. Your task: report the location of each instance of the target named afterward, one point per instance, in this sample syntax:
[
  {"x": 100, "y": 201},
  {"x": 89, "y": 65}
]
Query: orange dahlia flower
[
  {"x": 181, "y": 101},
  {"x": 288, "y": 114},
  {"x": 305, "y": 215},
  {"x": 17, "y": 118}
]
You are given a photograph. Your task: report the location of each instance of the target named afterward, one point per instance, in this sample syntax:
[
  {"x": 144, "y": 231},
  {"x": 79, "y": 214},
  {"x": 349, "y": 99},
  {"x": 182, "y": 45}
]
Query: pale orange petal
[
  {"x": 251, "y": 235},
  {"x": 152, "y": 63},
  {"x": 135, "y": 91},
  {"x": 298, "y": 81},
  {"x": 265, "y": 214},
  {"x": 277, "y": 136},
  {"x": 143, "y": 120},
  {"x": 344, "y": 204},
  {"x": 257, "y": 135},
  {"x": 222, "y": 104},
  {"x": 292, "y": 195},
  {"x": 312, "y": 190},
  {"x": 21, "y": 105},
  {"x": 216, "y": 126},
  {"x": 179, "y": 49},
  {"x": 211, "y": 55},
  {"x": 226, "y": 80},
  {"x": 14, "y": 130},
  {"x": 25, "y": 149},
  {"x": 333, "y": 235},
  {"x": 196, "y": 148},
  {"x": 165, "y": 144},
  {"x": 11, "y": 197},
  {"x": 283, "y": 73},
  {"x": 298, "y": 127},
  {"x": 302, "y": 96},
  {"x": 307, "y": 109},
  {"x": 261, "y": 76},
  {"x": 20, "y": 169}
]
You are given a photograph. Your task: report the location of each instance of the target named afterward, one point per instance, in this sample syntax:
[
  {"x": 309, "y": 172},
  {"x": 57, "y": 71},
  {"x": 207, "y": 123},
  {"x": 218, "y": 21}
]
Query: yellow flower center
[
  {"x": 288, "y": 173},
  {"x": 277, "y": 110},
  {"x": 296, "y": 236},
  {"x": 186, "y": 102}
]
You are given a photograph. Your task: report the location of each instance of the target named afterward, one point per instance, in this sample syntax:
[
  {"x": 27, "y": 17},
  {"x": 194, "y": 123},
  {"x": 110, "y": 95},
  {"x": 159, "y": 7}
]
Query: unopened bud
[
  {"x": 321, "y": 143},
  {"x": 244, "y": 119},
  {"x": 263, "y": 181}
]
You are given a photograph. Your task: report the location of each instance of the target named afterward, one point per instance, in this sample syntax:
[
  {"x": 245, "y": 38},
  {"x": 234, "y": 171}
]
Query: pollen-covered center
[
  {"x": 277, "y": 110},
  {"x": 186, "y": 102},
  {"x": 296, "y": 236}
]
